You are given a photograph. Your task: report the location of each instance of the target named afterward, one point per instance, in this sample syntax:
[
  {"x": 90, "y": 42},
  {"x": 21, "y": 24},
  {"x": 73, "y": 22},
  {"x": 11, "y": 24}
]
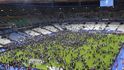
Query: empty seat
[
  {"x": 32, "y": 33},
  {"x": 43, "y": 31}
]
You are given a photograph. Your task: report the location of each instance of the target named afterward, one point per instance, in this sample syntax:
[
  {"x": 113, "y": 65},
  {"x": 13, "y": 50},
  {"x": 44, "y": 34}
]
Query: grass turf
[{"x": 71, "y": 51}]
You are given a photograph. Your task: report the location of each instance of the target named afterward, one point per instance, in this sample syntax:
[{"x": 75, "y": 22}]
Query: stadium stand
[
  {"x": 112, "y": 26},
  {"x": 58, "y": 27},
  {"x": 21, "y": 36},
  {"x": 42, "y": 31},
  {"x": 100, "y": 26},
  {"x": 51, "y": 28},
  {"x": 4, "y": 41},
  {"x": 121, "y": 28},
  {"x": 1, "y": 46},
  {"x": 16, "y": 37},
  {"x": 31, "y": 33}
]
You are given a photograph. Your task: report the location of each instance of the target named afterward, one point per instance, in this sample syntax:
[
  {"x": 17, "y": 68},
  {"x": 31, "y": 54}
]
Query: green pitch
[{"x": 70, "y": 51}]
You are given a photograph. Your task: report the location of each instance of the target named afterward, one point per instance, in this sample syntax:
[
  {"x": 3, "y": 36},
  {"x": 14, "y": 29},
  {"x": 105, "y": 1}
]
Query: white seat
[
  {"x": 43, "y": 31},
  {"x": 121, "y": 28},
  {"x": 75, "y": 27},
  {"x": 103, "y": 25},
  {"x": 32, "y": 33},
  {"x": 58, "y": 26},
  {"x": 51, "y": 28},
  {"x": 113, "y": 26},
  {"x": 1, "y": 46},
  {"x": 89, "y": 25},
  {"x": 4, "y": 41}
]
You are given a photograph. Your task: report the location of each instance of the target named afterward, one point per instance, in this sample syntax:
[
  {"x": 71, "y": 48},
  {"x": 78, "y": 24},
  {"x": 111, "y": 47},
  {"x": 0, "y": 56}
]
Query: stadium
[{"x": 61, "y": 35}]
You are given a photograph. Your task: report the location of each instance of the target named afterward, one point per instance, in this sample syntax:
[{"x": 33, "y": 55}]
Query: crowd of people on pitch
[{"x": 64, "y": 48}]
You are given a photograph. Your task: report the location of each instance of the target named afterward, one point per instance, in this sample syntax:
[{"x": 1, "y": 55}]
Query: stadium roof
[
  {"x": 41, "y": 1},
  {"x": 118, "y": 4}
]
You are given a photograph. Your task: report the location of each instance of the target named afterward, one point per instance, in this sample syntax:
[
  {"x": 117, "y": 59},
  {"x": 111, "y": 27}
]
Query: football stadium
[{"x": 61, "y": 34}]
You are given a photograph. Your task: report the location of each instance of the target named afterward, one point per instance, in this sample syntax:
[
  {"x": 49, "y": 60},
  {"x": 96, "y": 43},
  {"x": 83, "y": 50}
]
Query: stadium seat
[
  {"x": 4, "y": 41},
  {"x": 42, "y": 31},
  {"x": 31, "y": 33}
]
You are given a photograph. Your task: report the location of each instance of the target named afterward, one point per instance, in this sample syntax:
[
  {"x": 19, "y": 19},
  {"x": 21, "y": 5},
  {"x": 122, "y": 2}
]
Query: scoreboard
[{"x": 106, "y": 3}]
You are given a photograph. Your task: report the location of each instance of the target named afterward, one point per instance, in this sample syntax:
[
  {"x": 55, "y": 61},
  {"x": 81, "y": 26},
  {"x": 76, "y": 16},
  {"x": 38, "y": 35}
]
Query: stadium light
[
  {"x": 73, "y": 8},
  {"x": 60, "y": 8},
  {"x": 10, "y": 10},
  {"x": 2, "y": 10}
]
